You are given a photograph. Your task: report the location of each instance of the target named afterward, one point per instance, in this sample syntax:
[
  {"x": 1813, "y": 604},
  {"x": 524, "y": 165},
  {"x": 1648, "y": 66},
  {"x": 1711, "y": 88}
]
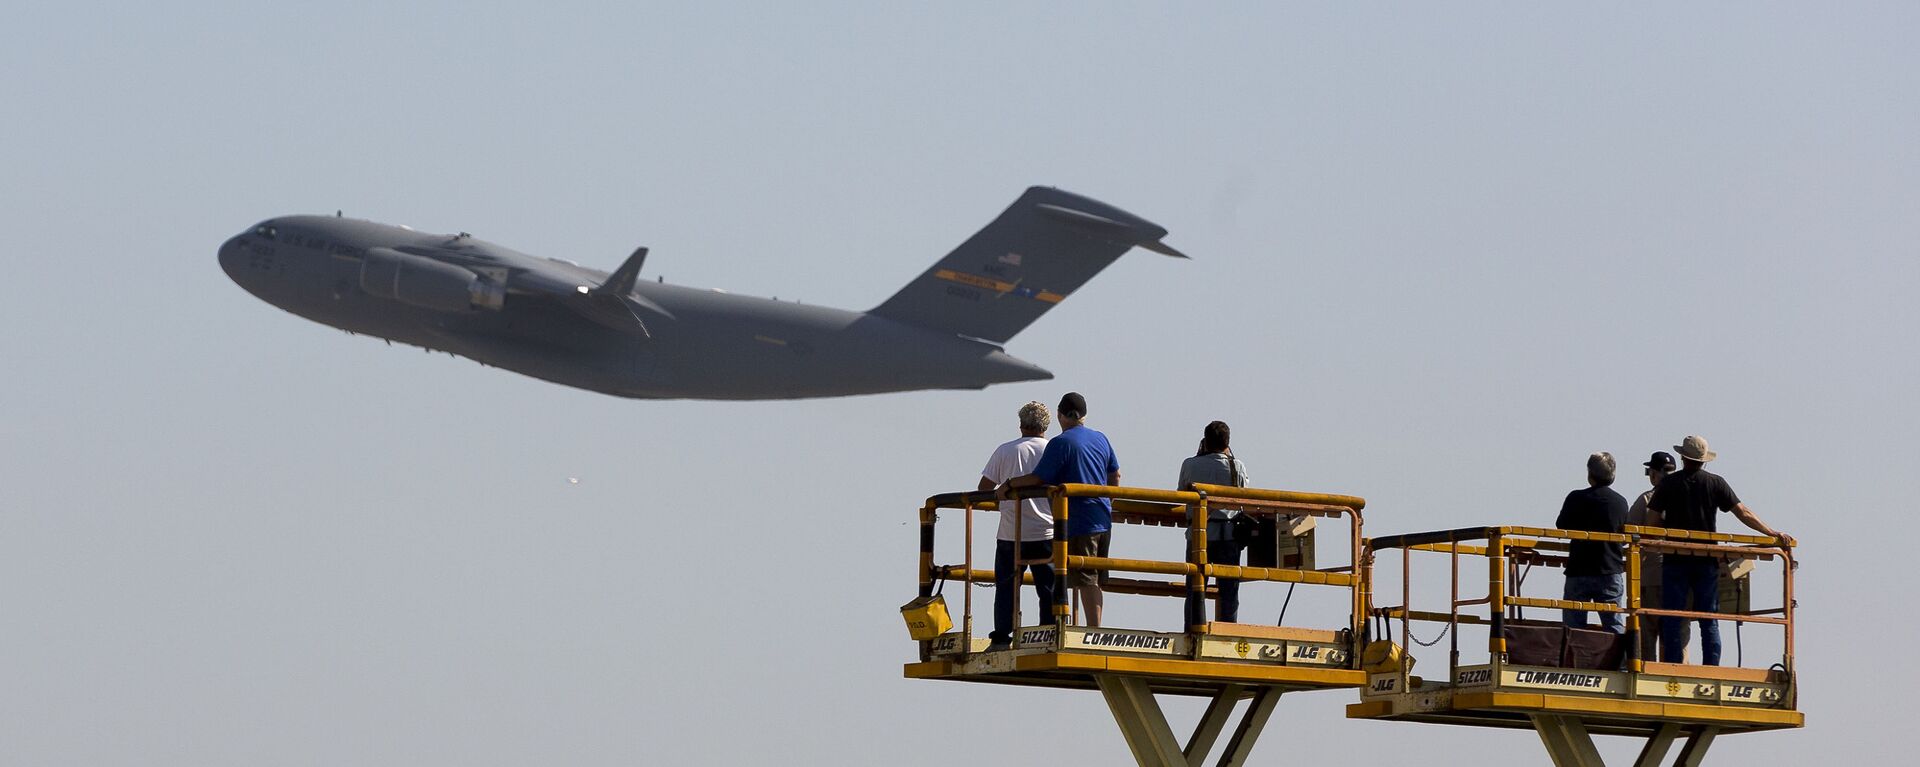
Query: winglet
[
  {"x": 620, "y": 283},
  {"x": 613, "y": 303},
  {"x": 1164, "y": 249}
]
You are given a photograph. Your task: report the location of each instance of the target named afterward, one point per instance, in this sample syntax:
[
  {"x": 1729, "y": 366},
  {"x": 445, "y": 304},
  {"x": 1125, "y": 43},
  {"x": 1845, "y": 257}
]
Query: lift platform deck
[
  {"x": 1226, "y": 654},
  {"x": 1226, "y": 662},
  {"x": 1569, "y": 698}
]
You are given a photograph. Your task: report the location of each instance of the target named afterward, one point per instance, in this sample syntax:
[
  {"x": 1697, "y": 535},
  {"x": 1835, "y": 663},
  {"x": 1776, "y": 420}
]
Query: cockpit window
[{"x": 266, "y": 231}]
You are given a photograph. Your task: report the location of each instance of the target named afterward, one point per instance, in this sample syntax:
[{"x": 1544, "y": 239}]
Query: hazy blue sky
[{"x": 1440, "y": 254}]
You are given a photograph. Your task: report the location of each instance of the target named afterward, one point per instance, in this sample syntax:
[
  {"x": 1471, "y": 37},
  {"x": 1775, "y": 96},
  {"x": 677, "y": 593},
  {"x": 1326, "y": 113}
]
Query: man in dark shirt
[
  {"x": 1594, "y": 567},
  {"x": 1690, "y": 499}
]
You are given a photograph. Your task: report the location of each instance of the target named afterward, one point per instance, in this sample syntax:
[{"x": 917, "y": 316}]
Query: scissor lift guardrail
[
  {"x": 1658, "y": 701},
  {"x": 1227, "y": 662}
]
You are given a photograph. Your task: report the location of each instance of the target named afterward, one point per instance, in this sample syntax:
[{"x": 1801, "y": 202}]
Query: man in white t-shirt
[{"x": 1028, "y": 522}]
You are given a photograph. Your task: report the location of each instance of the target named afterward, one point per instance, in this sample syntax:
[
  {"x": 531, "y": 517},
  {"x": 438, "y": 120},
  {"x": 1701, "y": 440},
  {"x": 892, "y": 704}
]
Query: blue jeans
[
  {"x": 1594, "y": 588},
  {"x": 1220, "y": 551},
  {"x": 1680, "y": 578},
  {"x": 1006, "y": 585}
]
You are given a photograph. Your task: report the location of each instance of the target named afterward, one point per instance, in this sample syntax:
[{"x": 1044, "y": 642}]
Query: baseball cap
[
  {"x": 1073, "y": 405},
  {"x": 1661, "y": 460}
]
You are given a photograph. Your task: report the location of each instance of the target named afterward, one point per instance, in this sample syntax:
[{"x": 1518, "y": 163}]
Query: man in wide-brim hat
[{"x": 1690, "y": 499}]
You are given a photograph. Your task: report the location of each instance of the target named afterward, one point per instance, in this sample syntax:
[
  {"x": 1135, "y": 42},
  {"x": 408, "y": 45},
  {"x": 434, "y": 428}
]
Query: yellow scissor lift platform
[
  {"x": 1565, "y": 702},
  {"x": 1227, "y": 662}
]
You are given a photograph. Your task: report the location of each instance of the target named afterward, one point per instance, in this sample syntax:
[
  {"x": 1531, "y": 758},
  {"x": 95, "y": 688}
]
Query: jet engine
[{"x": 426, "y": 283}]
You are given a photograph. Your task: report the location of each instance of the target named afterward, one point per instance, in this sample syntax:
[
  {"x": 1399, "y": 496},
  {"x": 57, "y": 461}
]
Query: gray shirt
[
  {"x": 1649, "y": 559},
  {"x": 1213, "y": 469}
]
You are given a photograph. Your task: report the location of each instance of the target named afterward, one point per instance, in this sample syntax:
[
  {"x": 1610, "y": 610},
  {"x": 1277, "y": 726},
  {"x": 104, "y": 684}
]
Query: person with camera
[{"x": 1227, "y": 531}]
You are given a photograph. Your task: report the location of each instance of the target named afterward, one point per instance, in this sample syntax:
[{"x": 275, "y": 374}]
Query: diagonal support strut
[
  {"x": 1211, "y": 723},
  {"x": 1567, "y": 741},
  {"x": 1152, "y": 741},
  {"x": 1141, "y": 721}
]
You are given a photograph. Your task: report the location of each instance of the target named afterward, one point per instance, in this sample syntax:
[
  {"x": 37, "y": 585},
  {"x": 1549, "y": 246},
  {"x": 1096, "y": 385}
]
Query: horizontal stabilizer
[{"x": 1041, "y": 249}]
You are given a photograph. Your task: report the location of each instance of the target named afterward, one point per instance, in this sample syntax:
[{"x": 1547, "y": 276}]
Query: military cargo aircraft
[{"x": 617, "y": 334}]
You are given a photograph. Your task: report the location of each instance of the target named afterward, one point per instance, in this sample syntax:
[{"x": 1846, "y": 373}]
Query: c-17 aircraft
[{"x": 617, "y": 334}]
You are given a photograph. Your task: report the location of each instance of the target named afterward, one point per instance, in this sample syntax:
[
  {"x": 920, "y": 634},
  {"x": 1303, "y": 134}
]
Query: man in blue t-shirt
[{"x": 1082, "y": 456}]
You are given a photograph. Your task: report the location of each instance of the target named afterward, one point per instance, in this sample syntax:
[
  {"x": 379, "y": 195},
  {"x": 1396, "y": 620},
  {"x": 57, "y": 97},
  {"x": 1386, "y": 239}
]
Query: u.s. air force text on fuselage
[{"x": 616, "y": 334}]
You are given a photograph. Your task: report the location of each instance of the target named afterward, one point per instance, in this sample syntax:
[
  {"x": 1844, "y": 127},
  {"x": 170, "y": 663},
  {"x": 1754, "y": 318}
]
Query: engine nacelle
[{"x": 426, "y": 283}]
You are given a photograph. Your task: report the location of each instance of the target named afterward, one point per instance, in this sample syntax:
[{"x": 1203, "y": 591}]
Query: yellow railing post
[
  {"x": 1058, "y": 500},
  {"x": 1634, "y": 624},
  {"x": 1019, "y": 569},
  {"x": 1453, "y": 613},
  {"x": 1362, "y": 600},
  {"x": 1406, "y": 615},
  {"x": 966, "y": 581},
  {"x": 1786, "y": 611},
  {"x": 1497, "y": 593},
  {"x": 928, "y": 514},
  {"x": 1196, "y": 607}
]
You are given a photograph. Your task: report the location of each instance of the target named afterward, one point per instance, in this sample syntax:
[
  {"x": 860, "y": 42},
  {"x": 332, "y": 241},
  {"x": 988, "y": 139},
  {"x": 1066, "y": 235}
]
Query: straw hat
[{"x": 1694, "y": 448}]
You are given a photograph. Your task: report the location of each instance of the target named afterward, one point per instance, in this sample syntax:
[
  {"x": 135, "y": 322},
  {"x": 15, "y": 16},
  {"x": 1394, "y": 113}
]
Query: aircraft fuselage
[{"x": 511, "y": 310}]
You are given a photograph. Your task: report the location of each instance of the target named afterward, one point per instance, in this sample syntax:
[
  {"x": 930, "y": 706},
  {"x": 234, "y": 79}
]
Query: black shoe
[{"x": 998, "y": 645}]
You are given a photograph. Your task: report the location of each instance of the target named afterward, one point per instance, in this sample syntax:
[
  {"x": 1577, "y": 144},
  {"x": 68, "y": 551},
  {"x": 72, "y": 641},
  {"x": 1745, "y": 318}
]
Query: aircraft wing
[{"x": 608, "y": 300}]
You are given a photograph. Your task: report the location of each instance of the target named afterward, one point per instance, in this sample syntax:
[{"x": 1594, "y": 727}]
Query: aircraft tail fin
[{"x": 1041, "y": 249}]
